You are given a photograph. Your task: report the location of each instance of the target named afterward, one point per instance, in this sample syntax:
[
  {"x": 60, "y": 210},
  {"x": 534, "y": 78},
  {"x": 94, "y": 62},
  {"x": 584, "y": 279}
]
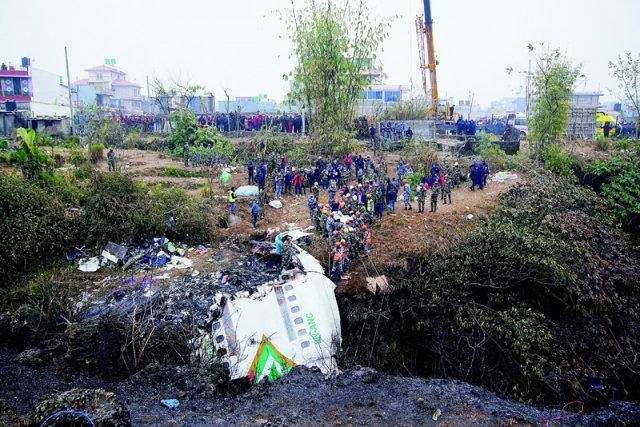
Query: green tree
[
  {"x": 553, "y": 82},
  {"x": 627, "y": 70},
  {"x": 31, "y": 160},
  {"x": 333, "y": 44}
]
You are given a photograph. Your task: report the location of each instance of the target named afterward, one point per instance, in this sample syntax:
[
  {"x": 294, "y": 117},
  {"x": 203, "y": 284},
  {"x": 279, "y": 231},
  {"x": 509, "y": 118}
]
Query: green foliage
[
  {"x": 409, "y": 109},
  {"x": 4, "y": 144},
  {"x": 421, "y": 156},
  {"x": 525, "y": 304},
  {"x": 181, "y": 173},
  {"x": 618, "y": 180},
  {"x": 331, "y": 43},
  {"x": 96, "y": 153},
  {"x": 103, "y": 130},
  {"x": 558, "y": 161},
  {"x": 602, "y": 143},
  {"x": 187, "y": 131},
  {"x": 553, "y": 82},
  {"x": 132, "y": 140},
  {"x": 495, "y": 156},
  {"x": 32, "y": 226},
  {"x": 29, "y": 158}
]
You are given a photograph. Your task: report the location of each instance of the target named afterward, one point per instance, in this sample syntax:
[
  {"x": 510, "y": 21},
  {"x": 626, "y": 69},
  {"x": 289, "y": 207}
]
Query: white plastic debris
[
  {"x": 179, "y": 262},
  {"x": 110, "y": 257},
  {"x": 89, "y": 265},
  {"x": 247, "y": 191},
  {"x": 470, "y": 216},
  {"x": 277, "y": 204}
]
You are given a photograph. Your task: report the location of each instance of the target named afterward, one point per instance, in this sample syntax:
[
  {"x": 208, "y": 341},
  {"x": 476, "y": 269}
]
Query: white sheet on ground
[{"x": 247, "y": 191}]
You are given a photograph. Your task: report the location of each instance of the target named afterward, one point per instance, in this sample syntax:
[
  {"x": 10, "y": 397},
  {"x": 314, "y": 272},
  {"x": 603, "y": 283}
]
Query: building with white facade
[{"x": 107, "y": 87}]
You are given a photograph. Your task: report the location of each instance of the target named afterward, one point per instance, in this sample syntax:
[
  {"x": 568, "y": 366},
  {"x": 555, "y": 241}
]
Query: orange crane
[{"x": 424, "y": 30}]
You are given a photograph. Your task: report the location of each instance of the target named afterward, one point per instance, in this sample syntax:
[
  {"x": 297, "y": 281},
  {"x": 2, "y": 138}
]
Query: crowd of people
[
  {"x": 289, "y": 123},
  {"x": 346, "y": 196}
]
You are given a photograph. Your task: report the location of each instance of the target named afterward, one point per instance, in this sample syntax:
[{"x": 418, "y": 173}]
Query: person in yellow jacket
[{"x": 232, "y": 200}]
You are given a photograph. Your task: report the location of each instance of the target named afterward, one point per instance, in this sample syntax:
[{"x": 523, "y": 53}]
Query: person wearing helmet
[
  {"x": 366, "y": 239},
  {"x": 330, "y": 222},
  {"x": 406, "y": 195},
  {"x": 332, "y": 192}
]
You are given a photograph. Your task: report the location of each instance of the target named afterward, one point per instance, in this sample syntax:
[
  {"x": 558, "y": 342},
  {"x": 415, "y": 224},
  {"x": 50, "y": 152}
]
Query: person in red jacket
[{"x": 297, "y": 183}]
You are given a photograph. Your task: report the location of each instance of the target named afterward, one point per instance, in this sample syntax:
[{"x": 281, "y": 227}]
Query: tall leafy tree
[
  {"x": 332, "y": 41},
  {"x": 553, "y": 82},
  {"x": 627, "y": 70}
]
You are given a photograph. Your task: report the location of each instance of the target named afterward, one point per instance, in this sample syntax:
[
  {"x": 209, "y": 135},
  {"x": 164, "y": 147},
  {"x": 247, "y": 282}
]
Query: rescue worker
[
  {"x": 484, "y": 168},
  {"x": 279, "y": 243},
  {"x": 406, "y": 195},
  {"x": 338, "y": 258},
  {"x": 287, "y": 254},
  {"x": 435, "y": 190},
  {"x": 421, "y": 191},
  {"x": 185, "y": 154},
  {"x": 250, "y": 172},
  {"x": 457, "y": 175},
  {"x": 111, "y": 160},
  {"x": 330, "y": 221},
  {"x": 255, "y": 212},
  {"x": 278, "y": 184},
  {"x": 446, "y": 190},
  {"x": 332, "y": 192},
  {"x": 315, "y": 190},
  {"x": 312, "y": 203},
  {"x": 366, "y": 239},
  {"x": 232, "y": 200}
]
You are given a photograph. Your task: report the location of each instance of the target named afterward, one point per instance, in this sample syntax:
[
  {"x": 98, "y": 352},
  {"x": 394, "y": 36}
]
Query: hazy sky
[{"x": 242, "y": 45}]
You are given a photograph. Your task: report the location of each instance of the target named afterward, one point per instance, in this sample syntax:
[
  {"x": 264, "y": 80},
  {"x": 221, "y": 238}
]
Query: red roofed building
[{"x": 108, "y": 87}]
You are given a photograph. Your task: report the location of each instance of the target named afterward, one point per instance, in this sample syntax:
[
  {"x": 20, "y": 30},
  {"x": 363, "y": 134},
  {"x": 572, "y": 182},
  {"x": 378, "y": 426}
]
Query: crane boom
[{"x": 431, "y": 54}]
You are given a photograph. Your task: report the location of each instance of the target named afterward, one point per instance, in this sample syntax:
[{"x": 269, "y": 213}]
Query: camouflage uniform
[
  {"x": 446, "y": 191},
  {"x": 422, "y": 197},
  {"x": 435, "y": 190}
]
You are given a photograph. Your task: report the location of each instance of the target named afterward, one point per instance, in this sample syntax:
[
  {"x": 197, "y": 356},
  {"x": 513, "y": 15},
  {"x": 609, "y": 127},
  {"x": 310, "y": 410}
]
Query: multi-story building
[
  {"x": 31, "y": 97},
  {"x": 107, "y": 87},
  {"x": 378, "y": 95}
]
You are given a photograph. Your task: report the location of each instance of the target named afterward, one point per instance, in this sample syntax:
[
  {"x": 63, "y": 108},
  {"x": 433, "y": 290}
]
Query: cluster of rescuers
[{"x": 358, "y": 191}]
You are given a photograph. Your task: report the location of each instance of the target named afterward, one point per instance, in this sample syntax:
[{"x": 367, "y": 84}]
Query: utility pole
[
  {"x": 528, "y": 94},
  {"x": 66, "y": 59}
]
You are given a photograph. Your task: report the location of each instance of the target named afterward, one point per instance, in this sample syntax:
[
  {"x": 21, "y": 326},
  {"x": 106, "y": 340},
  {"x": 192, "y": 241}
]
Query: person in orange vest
[
  {"x": 366, "y": 239},
  {"x": 232, "y": 200},
  {"x": 338, "y": 258}
]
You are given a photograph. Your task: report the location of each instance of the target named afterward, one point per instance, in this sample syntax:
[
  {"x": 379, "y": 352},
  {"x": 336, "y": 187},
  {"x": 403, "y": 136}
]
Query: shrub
[
  {"x": 29, "y": 158},
  {"x": 132, "y": 140},
  {"x": 558, "y": 161},
  {"x": 181, "y": 173},
  {"x": 619, "y": 181},
  {"x": 33, "y": 227},
  {"x": 532, "y": 301},
  {"x": 96, "y": 153},
  {"x": 4, "y": 144},
  {"x": 602, "y": 143}
]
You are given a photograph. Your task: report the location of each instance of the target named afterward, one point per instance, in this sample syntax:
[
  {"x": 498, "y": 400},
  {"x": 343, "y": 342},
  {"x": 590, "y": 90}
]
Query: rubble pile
[{"x": 77, "y": 407}]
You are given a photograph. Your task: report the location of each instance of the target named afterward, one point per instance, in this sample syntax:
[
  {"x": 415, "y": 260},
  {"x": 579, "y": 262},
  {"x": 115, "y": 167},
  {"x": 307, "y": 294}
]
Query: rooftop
[
  {"x": 105, "y": 68},
  {"x": 123, "y": 82}
]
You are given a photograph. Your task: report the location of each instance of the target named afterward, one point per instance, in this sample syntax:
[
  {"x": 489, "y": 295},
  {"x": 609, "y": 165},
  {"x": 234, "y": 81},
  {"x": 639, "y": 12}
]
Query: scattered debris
[
  {"x": 503, "y": 176},
  {"x": 170, "y": 403},
  {"x": 470, "y": 216},
  {"x": 290, "y": 321},
  {"x": 377, "y": 285},
  {"x": 436, "y": 414},
  {"x": 179, "y": 262},
  {"x": 100, "y": 406},
  {"x": 276, "y": 204},
  {"x": 113, "y": 252},
  {"x": 89, "y": 265}
]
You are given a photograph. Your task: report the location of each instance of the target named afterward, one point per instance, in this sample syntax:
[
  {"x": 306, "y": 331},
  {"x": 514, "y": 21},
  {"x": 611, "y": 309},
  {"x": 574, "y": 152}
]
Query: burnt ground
[{"x": 304, "y": 397}]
